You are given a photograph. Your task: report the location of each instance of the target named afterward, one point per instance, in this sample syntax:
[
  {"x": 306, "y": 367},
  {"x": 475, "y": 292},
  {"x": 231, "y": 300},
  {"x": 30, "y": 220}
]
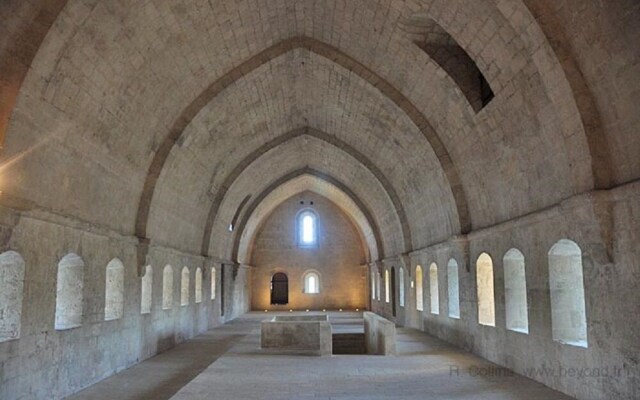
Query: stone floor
[{"x": 227, "y": 363}]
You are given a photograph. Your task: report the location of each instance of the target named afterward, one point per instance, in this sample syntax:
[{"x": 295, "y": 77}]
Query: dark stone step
[{"x": 348, "y": 343}]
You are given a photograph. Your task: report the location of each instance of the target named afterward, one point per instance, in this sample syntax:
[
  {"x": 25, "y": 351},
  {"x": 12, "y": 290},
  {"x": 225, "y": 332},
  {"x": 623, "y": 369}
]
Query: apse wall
[
  {"x": 46, "y": 363},
  {"x": 608, "y": 366},
  {"x": 337, "y": 259}
]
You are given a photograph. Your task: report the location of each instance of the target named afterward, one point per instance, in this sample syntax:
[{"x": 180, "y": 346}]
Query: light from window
[
  {"x": 184, "y": 287},
  {"x": 69, "y": 292},
  {"x": 454, "y": 291},
  {"x": 433, "y": 289},
  {"x": 515, "y": 291},
  {"x": 146, "y": 290},
  {"x": 313, "y": 286},
  {"x": 213, "y": 283},
  {"x": 307, "y": 233},
  {"x": 419, "y": 298},
  {"x": 484, "y": 281},
  {"x": 311, "y": 283},
  {"x": 387, "y": 290},
  {"x": 373, "y": 285},
  {"x": 566, "y": 281},
  {"x": 401, "y": 287},
  {"x": 307, "y": 229}
]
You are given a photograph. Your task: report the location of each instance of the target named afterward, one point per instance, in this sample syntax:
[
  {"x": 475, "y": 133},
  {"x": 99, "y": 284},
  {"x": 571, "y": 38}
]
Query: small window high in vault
[{"x": 307, "y": 229}]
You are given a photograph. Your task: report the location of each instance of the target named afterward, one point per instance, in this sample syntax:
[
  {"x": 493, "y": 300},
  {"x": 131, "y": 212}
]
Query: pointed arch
[{"x": 333, "y": 54}]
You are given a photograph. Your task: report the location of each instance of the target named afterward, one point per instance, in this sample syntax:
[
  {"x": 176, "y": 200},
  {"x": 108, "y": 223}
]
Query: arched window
[
  {"x": 311, "y": 283},
  {"x": 401, "y": 284},
  {"x": 484, "y": 281},
  {"x": 387, "y": 288},
  {"x": 433, "y": 289},
  {"x": 419, "y": 298},
  {"x": 184, "y": 287},
  {"x": 515, "y": 291},
  {"x": 378, "y": 279},
  {"x": 146, "y": 290},
  {"x": 69, "y": 292},
  {"x": 568, "y": 314},
  {"x": 307, "y": 229},
  {"x": 213, "y": 283},
  {"x": 11, "y": 291},
  {"x": 454, "y": 289},
  {"x": 114, "y": 290},
  {"x": 198, "y": 294},
  {"x": 167, "y": 287},
  {"x": 373, "y": 284}
]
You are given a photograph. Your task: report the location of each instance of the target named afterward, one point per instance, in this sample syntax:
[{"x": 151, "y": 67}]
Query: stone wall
[
  {"x": 48, "y": 363},
  {"x": 611, "y": 268},
  {"x": 338, "y": 259}
]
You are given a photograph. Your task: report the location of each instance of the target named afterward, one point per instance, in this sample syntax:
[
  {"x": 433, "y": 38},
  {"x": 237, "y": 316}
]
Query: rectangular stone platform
[{"x": 297, "y": 334}]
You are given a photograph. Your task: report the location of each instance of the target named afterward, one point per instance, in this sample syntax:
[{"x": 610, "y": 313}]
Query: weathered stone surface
[{"x": 134, "y": 130}]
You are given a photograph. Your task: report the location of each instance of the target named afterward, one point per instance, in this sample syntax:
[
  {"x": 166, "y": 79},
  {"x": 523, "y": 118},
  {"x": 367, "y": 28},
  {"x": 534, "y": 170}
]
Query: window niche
[
  {"x": 184, "y": 287},
  {"x": 568, "y": 312},
  {"x": 146, "y": 290},
  {"x": 307, "y": 229},
  {"x": 114, "y": 290},
  {"x": 484, "y": 281},
  {"x": 11, "y": 294},
  {"x": 167, "y": 287},
  {"x": 387, "y": 288},
  {"x": 453, "y": 289},
  {"x": 419, "y": 292},
  {"x": 198, "y": 289},
  {"x": 401, "y": 286},
  {"x": 213, "y": 283},
  {"x": 69, "y": 292},
  {"x": 311, "y": 283},
  {"x": 515, "y": 289},
  {"x": 433, "y": 289}
]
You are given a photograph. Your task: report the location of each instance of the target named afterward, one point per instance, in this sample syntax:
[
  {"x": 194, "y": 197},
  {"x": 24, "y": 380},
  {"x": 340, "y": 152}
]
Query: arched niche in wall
[
  {"x": 515, "y": 291},
  {"x": 485, "y": 290},
  {"x": 419, "y": 290},
  {"x": 167, "y": 287},
  {"x": 69, "y": 292},
  {"x": 114, "y": 290},
  {"x": 434, "y": 289},
  {"x": 453, "y": 287},
  {"x": 184, "y": 287},
  {"x": 11, "y": 293},
  {"x": 198, "y": 285},
  {"x": 566, "y": 284},
  {"x": 146, "y": 290}
]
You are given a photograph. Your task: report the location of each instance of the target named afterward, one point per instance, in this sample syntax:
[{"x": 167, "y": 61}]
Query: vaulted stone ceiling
[{"x": 156, "y": 119}]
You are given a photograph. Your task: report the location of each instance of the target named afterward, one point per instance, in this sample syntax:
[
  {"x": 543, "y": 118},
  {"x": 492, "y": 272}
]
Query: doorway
[{"x": 279, "y": 288}]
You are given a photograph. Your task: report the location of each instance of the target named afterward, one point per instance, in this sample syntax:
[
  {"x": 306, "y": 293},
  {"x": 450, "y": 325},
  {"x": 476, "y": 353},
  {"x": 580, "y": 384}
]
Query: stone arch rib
[
  {"x": 333, "y": 54},
  {"x": 292, "y": 175},
  {"x": 16, "y": 59},
  {"x": 318, "y": 134}
]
